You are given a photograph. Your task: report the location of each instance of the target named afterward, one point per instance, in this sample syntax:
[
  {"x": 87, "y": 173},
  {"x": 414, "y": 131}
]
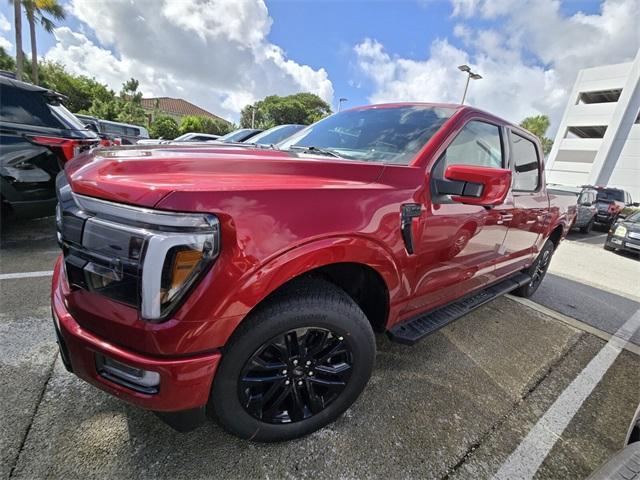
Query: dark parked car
[
  {"x": 625, "y": 235},
  {"x": 609, "y": 202},
  {"x": 38, "y": 135},
  {"x": 274, "y": 135},
  {"x": 93, "y": 124},
  {"x": 585, "y": 204},
  {"x": 240, "y": 135},
  {"x": 127, "y": 134}
]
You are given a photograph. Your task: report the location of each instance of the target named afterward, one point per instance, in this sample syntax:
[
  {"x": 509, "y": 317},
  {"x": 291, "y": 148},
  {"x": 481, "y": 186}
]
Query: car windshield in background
[
  {"x": 634, "y": 218},
  {"x": 384, "y": 134},
  {"x": 238, "y": 135},
  {"x": 611, "y": 195},
  {"x": 275, "y": 135}
]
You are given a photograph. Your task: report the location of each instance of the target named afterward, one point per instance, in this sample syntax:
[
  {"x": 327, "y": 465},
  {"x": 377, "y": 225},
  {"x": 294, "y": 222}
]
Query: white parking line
[
  {"x": 11, "y": 276},
  {"x": 524, "y": 461}
]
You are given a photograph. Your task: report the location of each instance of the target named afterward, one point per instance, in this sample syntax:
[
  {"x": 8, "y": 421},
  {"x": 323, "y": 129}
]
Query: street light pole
[
  {"x": 470, "y": 76},
  {"x": 340, "y": 103}
]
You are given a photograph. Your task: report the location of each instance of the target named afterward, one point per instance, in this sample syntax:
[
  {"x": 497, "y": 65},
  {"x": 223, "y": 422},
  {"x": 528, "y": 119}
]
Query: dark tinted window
[
  {"x": 386, "y": 135},
  {"x": 525, "y": 155},
  {"x": 27, "y": 107},
  {"x": 611, "y": 195},
  {"x": 477, "y": 144}
]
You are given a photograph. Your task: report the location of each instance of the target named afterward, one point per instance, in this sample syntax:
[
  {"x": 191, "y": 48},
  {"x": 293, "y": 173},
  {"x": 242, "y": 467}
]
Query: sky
[{"x": 224, "y": 54}]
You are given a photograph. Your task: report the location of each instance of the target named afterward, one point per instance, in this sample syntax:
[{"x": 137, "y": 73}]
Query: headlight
[
  {"x": 147, "y": 258},
  {"x": 620, "y": 231}
]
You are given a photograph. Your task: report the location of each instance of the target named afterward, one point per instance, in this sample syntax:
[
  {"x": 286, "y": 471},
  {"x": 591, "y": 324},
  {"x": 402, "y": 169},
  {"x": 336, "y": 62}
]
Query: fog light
[{"x": 144, "y": 381}]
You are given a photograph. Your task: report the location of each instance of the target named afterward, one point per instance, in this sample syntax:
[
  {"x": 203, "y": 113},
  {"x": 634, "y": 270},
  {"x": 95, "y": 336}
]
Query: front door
[
  {"x": 530, "y": 206},
  {"x": 458, "y": 245}
]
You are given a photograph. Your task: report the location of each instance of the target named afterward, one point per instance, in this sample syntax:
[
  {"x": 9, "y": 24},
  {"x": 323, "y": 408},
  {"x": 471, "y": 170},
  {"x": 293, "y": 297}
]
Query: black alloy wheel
[
  {"x": 537, "y": 271},
  {"x": 540, "y": 268},
  {"x": 295, "y": 375},
  {"x": 294, "y": 365}
]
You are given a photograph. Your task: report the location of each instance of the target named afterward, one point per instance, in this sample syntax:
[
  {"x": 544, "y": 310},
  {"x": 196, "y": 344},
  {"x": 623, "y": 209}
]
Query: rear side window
[
  {"x": 526, "y": 165},
  {"x": 26, "y": 107},
  {"x": 477, "y": 144}
]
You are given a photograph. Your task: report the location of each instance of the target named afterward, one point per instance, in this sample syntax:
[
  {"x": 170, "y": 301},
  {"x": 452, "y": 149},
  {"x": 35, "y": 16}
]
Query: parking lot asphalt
[{"x": 457, "y": 405}]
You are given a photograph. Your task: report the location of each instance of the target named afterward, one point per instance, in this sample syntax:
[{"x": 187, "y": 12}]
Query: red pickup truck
[{"x": 247, "y": 283}]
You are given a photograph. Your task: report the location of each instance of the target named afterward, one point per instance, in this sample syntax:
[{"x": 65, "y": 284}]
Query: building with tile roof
[{"x": 175, "y": 108}]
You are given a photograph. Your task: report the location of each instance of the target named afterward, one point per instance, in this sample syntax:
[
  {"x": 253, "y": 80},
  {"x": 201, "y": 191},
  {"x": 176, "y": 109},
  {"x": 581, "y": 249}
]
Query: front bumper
[
  {"x": 623, "y": 243},
  {"x": 185, "y": 382}
]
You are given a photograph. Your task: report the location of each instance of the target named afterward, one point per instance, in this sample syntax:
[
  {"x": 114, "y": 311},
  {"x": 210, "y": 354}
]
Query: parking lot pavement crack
[
  {"x": 33, "y": 415},
  {"x": 534, "y": 384}
]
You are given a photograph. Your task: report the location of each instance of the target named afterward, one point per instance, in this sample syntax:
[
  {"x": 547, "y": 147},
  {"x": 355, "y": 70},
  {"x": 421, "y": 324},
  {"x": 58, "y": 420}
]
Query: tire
[
  {"x": 608, "y": 248},
  {"x": 537, "y": 271},
  {"x": 587, "y": 228},
  {"x": 261, "y": 357}
]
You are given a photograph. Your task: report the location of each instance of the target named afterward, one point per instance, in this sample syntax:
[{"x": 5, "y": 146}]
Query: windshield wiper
[{"x": 314, "y": 149}]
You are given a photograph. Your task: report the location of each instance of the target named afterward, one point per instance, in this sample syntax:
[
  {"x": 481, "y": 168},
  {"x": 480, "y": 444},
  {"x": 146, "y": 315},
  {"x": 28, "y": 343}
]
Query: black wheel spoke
[
  {"x": 295, "y": 375},
  {"x": 315, "y": 401}
]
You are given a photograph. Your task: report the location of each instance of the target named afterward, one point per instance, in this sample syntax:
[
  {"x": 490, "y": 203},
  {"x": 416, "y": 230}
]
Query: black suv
[{"x": 38, "y": 135}]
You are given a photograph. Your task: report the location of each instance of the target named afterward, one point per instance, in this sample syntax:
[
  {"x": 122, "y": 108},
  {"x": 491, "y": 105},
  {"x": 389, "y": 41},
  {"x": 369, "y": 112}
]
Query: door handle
[{"x": 408, "y": 213}]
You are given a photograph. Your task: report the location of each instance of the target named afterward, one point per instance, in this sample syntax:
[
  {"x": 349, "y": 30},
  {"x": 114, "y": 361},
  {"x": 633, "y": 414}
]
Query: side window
[
  {"x": 478, "y": 144},
  {"x": 527, "y": 168},
  {"x": 26, "y": 107}
]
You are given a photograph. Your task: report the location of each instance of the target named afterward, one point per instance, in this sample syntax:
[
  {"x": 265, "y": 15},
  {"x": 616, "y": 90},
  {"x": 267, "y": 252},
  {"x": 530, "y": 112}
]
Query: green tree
[
  {"x": 82, "y": 92},
  {"x": 302, "y": 108},
  {"x": 164, "y": 127},
  {"x": 538, "y": 125},
  {"x": 192, "y": 123},
  {"x": 131, "y": 110},
  {"x": 6, "y": 61},
  {"x": 37, "y": 11}
]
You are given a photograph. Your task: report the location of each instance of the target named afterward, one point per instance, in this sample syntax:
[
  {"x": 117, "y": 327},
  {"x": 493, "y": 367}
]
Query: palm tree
[
  {"x": 18, "y": 27},
  {"x": 36, "y": 11}
]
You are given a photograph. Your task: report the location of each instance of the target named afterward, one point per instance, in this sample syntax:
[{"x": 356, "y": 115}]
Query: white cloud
[
  {"x": 214, "y": 53},
  {"x": 5, "y": 26},
  {"x": 529, "y": 57}
]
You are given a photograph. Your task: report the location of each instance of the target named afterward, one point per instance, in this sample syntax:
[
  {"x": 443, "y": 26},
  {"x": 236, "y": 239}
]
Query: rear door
[
  {"x": 530, "y": 204},
  {"x": 459, "y": 245}
]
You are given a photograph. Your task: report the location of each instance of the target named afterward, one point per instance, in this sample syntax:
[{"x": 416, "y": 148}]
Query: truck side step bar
[{"x": 425, "y": 324}]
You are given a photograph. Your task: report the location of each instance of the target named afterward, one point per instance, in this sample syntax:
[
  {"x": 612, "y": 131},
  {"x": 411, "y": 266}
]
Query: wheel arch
[{"x": 366, "y": 271}]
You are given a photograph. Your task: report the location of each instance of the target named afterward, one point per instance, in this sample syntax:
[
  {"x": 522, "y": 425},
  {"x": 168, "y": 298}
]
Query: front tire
[
  {"x": 295, "y": 365},
  {"x": 537, "y": 271}
]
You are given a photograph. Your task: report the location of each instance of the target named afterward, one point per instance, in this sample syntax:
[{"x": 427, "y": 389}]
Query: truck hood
[{"x": 142, "y": 176}]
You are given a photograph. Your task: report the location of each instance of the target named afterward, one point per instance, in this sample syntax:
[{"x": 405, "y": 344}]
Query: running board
[{"x": 425, "y": 324}]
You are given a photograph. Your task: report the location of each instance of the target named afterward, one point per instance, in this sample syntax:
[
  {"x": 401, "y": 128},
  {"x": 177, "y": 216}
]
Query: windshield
[
  {"x": 238, "y": 135},
  {"x": 611, "y": 195},
  {"x": 379, "y": 134},
  {"x": 634, "y": 218},
  {"x": 275, "y": 134}
]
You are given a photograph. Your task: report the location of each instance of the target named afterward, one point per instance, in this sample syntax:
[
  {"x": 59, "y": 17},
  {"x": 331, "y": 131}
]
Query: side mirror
[
  {"x": 473, "y": 185},
  {"x": 635, "y": 204}
]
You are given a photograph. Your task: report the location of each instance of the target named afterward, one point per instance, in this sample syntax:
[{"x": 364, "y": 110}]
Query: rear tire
[
  {"x": 537, "y": 271},
  {"x": 608, "y": 248},
  {"x": 587, "y": 228},
  {"x": 295, "y": 365}
]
